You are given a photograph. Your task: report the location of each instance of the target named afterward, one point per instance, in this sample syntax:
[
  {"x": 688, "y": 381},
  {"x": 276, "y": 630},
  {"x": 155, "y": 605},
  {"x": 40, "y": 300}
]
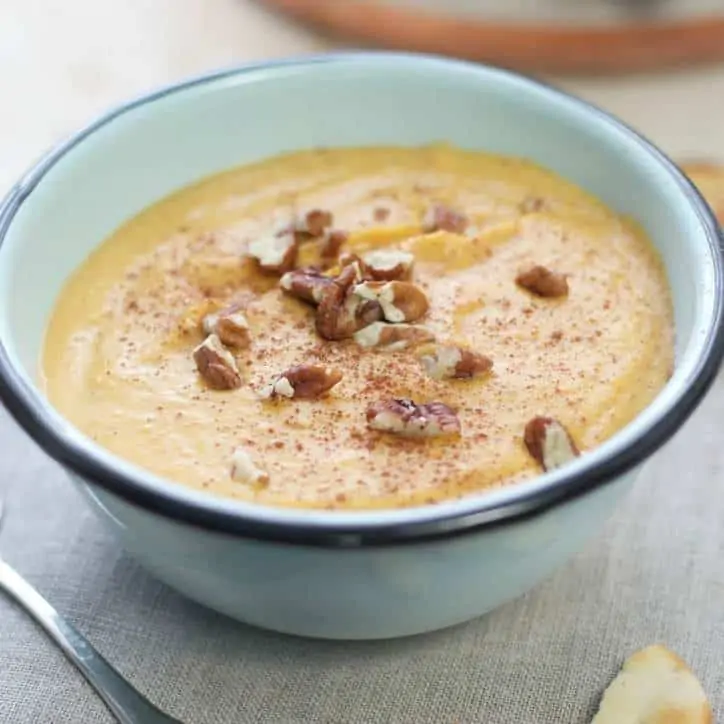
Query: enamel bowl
[{"x": 354, "y": 575}]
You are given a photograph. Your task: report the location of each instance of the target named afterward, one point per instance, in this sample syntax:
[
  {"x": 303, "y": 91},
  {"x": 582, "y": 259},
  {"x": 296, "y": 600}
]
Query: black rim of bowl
[{"x": 25, "y": 405}]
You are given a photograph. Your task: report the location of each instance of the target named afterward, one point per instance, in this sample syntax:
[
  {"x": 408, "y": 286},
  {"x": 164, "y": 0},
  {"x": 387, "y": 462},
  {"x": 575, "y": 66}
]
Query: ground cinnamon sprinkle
[{"x": 320, "y": 452}]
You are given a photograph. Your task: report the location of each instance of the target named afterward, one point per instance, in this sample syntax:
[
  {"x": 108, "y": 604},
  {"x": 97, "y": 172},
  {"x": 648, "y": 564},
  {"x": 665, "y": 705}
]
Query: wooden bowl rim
[{"x": 543, "y": 47}]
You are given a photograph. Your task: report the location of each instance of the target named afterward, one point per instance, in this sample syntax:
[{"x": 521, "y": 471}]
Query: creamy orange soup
[{"x": 119, "y": 357}]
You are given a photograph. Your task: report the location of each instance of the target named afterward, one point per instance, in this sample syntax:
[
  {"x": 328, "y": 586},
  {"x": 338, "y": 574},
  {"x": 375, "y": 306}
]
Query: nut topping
[
  {"x": 388, "y": 264},
  {"x": 543, "y": 282},
  {"x": 332, "y": 242},
  {"x": 549, "y": 443},
  {"x": 407, "y": 418},
  {"x": 216, "y": 364},
  {"x": 381, "y": 213},
  {"x": 230, "y": 326},
  {"x": 243, "y": 469},
  {"x": 303, "y": 382},
  {"x": 307, "y": 284},
  {"x": 381, "y": 265},
  {"x": 275, "y": 253},
  {"x": 443, "y": 218},
  {"x": 451, "y": 362},
  {"x": 388, "y": 337},
  {"x": 314, "y": 222},
  {"x": 400, "y": 301},
  {"x": 532, "y": 205},
  {"x": 341, "y": 311}
]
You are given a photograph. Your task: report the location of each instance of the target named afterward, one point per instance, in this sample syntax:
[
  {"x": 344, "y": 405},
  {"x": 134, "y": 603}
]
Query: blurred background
[{"x": 659, "y": 64}]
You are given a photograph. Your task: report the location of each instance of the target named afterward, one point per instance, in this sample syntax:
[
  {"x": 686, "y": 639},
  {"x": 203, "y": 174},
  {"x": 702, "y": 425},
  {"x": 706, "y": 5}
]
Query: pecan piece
[
  {"x": 386, "y": 265},
  {"x": 303, "y": 382},
  {"x": 443, "y": 218},
  {"x": 216, "y": 364},
  {"x": 380, "y": 214},
  {"x": 533, "y": 205},
  {"x": 388, "y": 337},
  {"x": 314, "y": 222},
  {"x": 543, "y": 282},
  {"x": 332, "y": 242},
  {"x": 275, "y": 253},
  {"x": 381, "y": 265},
  {"x": 243, "y": 469},
  {"x": 451, "y": 362},
  {"x": 400, "y": 301},
  {"x": 307, "y": 284},
  {"x": 549, "y": 443},
  {"x": 407, "y": 418},
  {"x": 341, "y": 312},
  {"x": 230, "y": 326}
]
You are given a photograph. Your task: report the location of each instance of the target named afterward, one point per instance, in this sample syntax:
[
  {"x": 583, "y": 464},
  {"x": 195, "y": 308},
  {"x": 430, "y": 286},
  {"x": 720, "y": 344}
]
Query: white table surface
[{"x": 658, "y": 566}]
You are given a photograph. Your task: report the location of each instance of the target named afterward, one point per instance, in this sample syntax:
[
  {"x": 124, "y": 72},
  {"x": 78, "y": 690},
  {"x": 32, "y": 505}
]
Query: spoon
[{"x": 125, "y": 703}]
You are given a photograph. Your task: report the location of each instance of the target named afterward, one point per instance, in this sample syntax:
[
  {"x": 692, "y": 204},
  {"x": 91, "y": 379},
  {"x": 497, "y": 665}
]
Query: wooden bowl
[{"x": 540, "y": 47}]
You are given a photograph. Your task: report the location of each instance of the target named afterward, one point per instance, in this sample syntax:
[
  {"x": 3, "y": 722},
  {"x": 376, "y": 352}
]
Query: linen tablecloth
[{"x": 654, "y": 574}]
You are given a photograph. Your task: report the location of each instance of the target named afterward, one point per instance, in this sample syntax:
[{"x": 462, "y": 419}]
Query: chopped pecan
[
  {"x": 549, "y": 443},
  {"x": 533, "y": 204},
  {"x": 543, "y": 282},
  {"x": 276, "y": 253},
  {"x": 216, "y": 364},
  {"x": 443, "y": 218},
  {"x": 332, "y": 242},
  {"x": 407, "y": 418},
  {"x": 388, "y": 337},
  {"x": 243, "y": 469},
  {"x": 341, "y": 312},
  {"x": 314, "y": 222},
  {"x": 400, "y": 301},
  {"x": 385, "y": 265},
  {"x": 230, "y": 326},
  {"x": 448, "y": 362},
  {"x": 307, "y": 284},
  {"x": 381, "y": 214},
  {"x": 381, "y": 265},
  {"x": 303, "y": 382}
]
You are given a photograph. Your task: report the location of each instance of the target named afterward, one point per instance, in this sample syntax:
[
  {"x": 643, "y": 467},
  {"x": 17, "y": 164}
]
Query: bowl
[{"x": 347, "y": 575}]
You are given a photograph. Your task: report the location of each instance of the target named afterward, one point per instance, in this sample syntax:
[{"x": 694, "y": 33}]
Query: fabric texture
[{"x": 654, "y": 574}]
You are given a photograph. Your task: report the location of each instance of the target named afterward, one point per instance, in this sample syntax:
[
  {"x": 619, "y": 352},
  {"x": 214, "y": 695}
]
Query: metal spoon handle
[{"x": 125, "y": 703}]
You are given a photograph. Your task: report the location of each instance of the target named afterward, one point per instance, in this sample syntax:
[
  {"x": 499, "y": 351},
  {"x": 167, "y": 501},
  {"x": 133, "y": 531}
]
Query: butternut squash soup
[{"x": 363, "y": 328}]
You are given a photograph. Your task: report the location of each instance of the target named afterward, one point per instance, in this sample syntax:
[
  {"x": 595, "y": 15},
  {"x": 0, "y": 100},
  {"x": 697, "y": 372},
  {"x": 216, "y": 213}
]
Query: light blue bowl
[{"x": 320, "y": 573}]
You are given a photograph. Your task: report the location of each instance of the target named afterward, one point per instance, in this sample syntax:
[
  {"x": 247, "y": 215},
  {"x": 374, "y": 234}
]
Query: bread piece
[
  {"x": 708, "y": 177},
  {"x": 654, "y": 687}
]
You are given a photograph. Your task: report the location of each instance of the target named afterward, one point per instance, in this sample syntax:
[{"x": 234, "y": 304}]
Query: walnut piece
[
  {"x": 216, "y": 364},
  {"x": 341, "y": 311},
  {"x": 275, "y": 253},
  {"x": 307, "y": 284},
  {"x": 452, "y": 362},
  {"x": 230, "y": 326},
  {"x": 302, "y": 382},
  {"x": 387, "y": 337},
  {"x": 243, "y": 469},
  {"x": 543, "y": 282},
  {"x": 549, "y": 443},
  {"x": 408, "y": 419},
  {"x": 443, "y": 218},
  {"x": 400, "y": 301}
]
